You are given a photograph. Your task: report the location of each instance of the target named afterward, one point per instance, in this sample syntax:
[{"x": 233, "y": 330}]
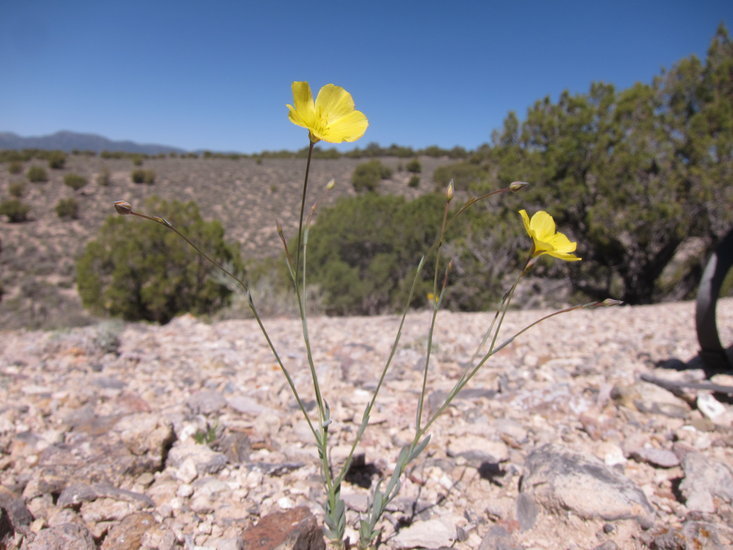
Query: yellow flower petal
[
  {"x": 334, "y": 102},
  {"x": 331, "y": 117},
  {"x": 545, "y": 239},
  {"x": 543, "y": 225},
  {"x": 525, "y": 221}
]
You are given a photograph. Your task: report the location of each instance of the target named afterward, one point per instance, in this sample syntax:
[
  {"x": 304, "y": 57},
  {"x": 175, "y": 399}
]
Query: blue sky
[{"x": 216, "y": 74}]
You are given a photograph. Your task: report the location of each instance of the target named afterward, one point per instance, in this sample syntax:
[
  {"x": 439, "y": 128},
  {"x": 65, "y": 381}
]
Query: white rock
[
  {"x": 432, "y": 533},
  {"x": 709, "y": 406}
]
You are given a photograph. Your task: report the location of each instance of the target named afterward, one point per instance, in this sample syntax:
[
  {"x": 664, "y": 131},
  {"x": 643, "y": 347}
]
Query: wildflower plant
[{"x": 332, "y": 117}]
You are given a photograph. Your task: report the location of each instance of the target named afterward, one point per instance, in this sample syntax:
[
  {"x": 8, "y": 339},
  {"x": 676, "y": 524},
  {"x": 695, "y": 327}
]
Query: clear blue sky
[{"x": 216, "y": 74}]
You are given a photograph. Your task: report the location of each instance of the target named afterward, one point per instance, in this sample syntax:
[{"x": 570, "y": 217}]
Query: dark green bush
[
  {"x": 414, "y": 166},
  {"x": 15, "y": 167},
  {"x": 367, "y": 175},
  {"x": 67, "y": 209},
  {"x": 37, "y": 174},
  {"x": 56, "y": 160},
  {"x": 75, "y": 181},
  {"x": 632, "y": 174},
  {"x": 140, "y": 270},
  {"x": 414, "y": 181},
  {"x": 363, "y": 251},
  {"x": 143, "y": 176},
  {"x": 15, "y": 210},
  {"x": 16, "y": 189}
]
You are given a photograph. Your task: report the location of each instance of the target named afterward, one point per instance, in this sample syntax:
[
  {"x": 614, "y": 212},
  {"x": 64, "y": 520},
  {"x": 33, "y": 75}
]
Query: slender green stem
[
  {"x": 436, "y": 305},
  {"x": 365, "y": 416},
  {"x": 300, "y": 290},
  {"x": 299, "y": 285},
  {"x": 302, "y": 208},
  {"x": 466, "y": 378}
]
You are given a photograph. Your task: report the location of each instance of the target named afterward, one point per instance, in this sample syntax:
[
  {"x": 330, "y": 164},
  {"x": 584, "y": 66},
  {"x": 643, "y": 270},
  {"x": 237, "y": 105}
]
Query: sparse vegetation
[
  {"x": 67, "y": 209},
  {"x": 465, "y": 175},
  {"x": 103, "y": 178},
  {"x": 15, "y": 210},
  {"x": 15, "y": 167},
  {"x": 16, "y": 189},
  {"x": 366, "y": 176},
  {"x": 56, "y": 160},
  {"x": 143, "y": 176},
  {"x": 75, "y": 181},
  {"x": 414, "y": 166},
  {"x": 37, "y": 174}
]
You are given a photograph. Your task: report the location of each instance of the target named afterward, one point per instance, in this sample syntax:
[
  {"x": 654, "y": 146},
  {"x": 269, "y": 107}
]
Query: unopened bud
[
  {"x": 123, "y": 207},
  {"x": 608, "y": 302},
  {"x": 517, "y": 185},
  {"x": 449, "y": 192}
]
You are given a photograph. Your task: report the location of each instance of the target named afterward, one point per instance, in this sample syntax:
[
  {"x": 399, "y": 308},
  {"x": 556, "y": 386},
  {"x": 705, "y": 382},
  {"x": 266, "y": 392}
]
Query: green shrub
[
  {"x": 15, "y": 167},
  {"x": 56, "y": 160},
  {"x": 140, "y": 270},
  {"x": 37, "y": 174},
  {"x": 75, "y": 181},
  {"x": 414, "y": 181},
  {"x": 367, "y": 175},
  {"x": 67, "y": 209},
  {"x": 103, "y": 178},
  {"x": 465, "y": 176},
  {"x": 414, "y": 166},
  {"x": 364, "y": 250},
  {"x": 143, "y": 176},
  {"x": 15, "y": 210},
  {"x": 137, "y": 161},
  {"x": 16, "y": 189}
]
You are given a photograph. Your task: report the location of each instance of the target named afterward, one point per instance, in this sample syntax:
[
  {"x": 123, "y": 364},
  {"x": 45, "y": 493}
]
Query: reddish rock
[{"x": 294, "y": 529}]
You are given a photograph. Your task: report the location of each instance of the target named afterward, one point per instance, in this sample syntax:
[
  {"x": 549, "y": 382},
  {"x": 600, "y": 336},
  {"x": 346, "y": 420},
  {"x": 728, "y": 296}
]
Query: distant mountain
[{"x": 69, "y": 141}]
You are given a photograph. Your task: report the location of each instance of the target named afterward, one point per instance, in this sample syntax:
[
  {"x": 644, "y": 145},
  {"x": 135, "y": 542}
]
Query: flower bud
[
  {"x": 123, "y": 207},
  {"x": 449, "y": 192},
  {"x": 331, "y": 184},
  {"x": 517, "y": 185}
]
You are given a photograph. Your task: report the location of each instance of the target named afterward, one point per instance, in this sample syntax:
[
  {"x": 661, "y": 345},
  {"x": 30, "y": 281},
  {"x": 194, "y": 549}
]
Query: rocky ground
[{"x": 122, "y": 436}]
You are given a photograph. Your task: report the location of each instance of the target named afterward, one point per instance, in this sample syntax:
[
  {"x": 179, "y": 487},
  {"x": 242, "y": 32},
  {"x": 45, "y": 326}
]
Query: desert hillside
[{"x": 246, "y": 195}]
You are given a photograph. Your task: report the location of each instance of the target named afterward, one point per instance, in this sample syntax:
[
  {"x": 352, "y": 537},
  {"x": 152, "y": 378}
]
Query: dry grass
[{"x": 38, "y": 256}]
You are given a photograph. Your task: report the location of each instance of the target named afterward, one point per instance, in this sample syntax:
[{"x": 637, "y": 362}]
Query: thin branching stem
[
  {"x": 365, "y": 417},
  {"x": 250, "y": 303}
]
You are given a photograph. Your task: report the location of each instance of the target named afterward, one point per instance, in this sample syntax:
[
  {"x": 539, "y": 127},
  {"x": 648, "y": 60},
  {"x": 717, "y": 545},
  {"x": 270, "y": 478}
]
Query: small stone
[
  {"x": 128, "y": 533},
  {"x": 558, "y": 480},
  {"x": 657, "y": 457},
  {"x": 206, "y": 402},
  {"x": 433, "y": 533},
  {"x": 705, "y": 479},
  {"x": 477, "y": 448},
  {"x": 64, "y": 537},
  {"x": 709, "y": 406}
]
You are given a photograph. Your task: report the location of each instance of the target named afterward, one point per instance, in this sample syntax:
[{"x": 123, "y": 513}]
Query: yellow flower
[
  {"x": 545, "y": 240},
  {"x": 331, "y": 117}
]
